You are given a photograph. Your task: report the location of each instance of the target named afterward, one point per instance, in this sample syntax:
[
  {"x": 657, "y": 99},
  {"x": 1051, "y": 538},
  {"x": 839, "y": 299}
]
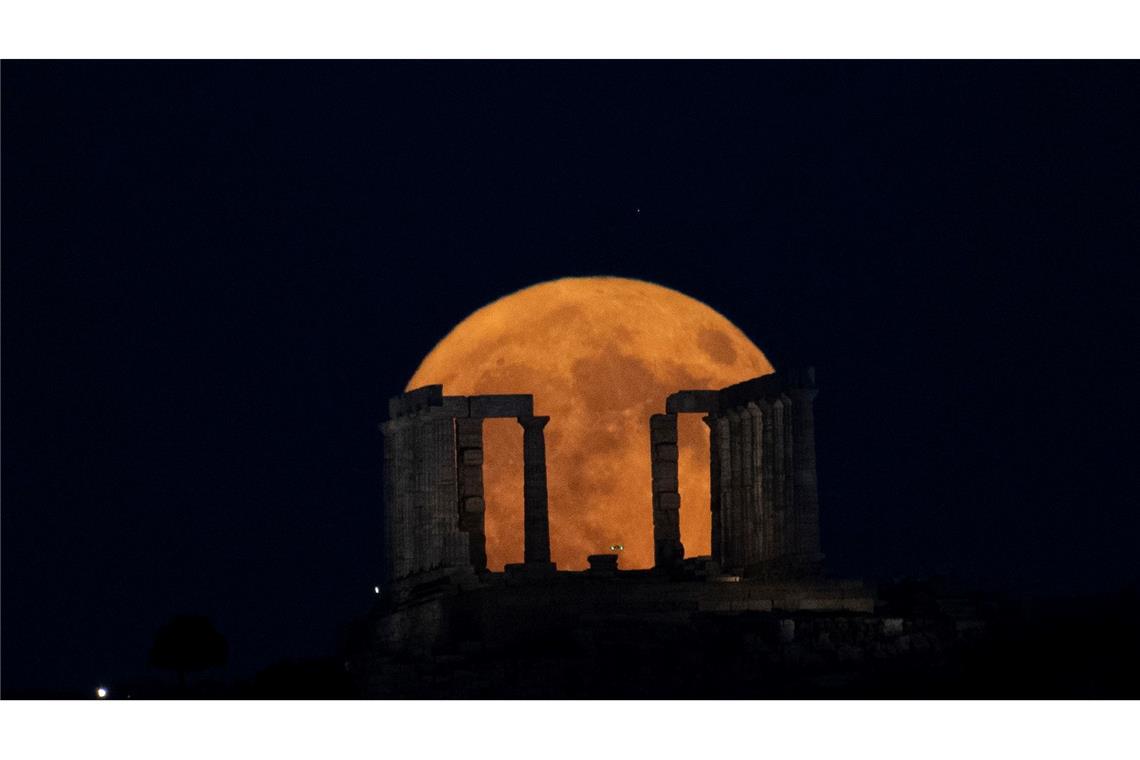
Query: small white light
[
  {"x": 101, "y": 693},
  {"x": 376, "y": 589}
]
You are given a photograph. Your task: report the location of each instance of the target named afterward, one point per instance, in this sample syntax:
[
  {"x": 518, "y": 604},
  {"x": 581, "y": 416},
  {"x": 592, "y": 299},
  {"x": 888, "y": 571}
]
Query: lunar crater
[{"x": 717, "y": 345}]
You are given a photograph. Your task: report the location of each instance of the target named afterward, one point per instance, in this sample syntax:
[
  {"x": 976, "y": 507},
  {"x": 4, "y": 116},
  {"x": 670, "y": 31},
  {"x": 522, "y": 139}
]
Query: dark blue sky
[{"x": 214, "y": 274}]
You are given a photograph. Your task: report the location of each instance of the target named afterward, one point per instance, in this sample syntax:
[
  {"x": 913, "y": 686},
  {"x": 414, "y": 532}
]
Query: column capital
[{"x": 533, "y": 423}]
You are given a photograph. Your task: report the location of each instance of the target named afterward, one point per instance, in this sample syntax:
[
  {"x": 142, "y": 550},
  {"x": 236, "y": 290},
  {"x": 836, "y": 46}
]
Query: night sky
[{"x": 214, "y": 275}]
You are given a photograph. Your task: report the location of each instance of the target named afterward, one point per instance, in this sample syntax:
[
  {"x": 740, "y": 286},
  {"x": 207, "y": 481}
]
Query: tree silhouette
[{"x": 186, "y": 644}]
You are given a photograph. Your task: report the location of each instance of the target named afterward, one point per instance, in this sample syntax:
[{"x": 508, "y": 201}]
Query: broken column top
[{"x": 414, "y": 401}]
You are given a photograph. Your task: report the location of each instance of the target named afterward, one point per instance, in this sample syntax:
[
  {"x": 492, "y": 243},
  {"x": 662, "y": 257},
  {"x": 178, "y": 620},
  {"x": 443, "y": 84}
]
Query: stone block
[
  {"x": 603, "y": 562},
  {"x": 469, "y": 440},
  {"x": 667, "y": 551},
  {"x": 474, "y": 505},
  {"x": 665, "y": 452},
  {"x": 664, "y": 471},
  {"x": 469, "y": 432},
  {"x": 471, "y": 474},
  {"x": 692, "y": 401},
  {"x": 530, "y": 569},
  {"x": 513, "y": 405},
  {"x": 472, "y": 456},
  {"x": 662, "y": 429},
  {"x": 666, "y": 518},
  {"x": 665, "y": 485},
  {"x": 412, "y": 401},
  {"x": 666, "y": 501},
  {"x": 455, "y": 406}
]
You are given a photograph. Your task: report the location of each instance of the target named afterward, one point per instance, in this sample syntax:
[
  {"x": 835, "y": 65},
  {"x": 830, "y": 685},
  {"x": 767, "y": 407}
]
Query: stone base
[
  {"x": 570, "y": 619},
  {"x": 806, "y": 567},
  {"x": 606, "y": 564},
  {"x": 530, "y": 570}
]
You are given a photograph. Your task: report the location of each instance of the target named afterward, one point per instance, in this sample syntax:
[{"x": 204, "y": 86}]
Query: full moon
[{"x": 600, "y": 355}]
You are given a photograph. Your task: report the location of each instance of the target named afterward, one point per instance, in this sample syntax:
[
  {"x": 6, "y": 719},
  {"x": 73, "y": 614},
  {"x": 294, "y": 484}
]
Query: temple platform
[{"x": 637, "y": 634}]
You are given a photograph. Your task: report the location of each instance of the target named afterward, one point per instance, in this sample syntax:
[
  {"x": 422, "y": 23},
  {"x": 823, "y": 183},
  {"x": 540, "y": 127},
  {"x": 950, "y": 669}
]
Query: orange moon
[{"x": 600, "y": 355}]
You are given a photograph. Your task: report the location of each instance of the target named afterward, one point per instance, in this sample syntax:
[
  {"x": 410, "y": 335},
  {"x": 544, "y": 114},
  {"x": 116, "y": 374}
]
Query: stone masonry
[
  {"x": 667, "y": 549},
  {"x": 446, "y": 626},
  {"x": 433, "y": 477},
  {"x": 764, "y": 499}
]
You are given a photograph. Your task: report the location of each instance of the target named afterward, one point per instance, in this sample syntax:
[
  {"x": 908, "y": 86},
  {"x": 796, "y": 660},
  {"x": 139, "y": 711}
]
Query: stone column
[
  {"x": 667, "y": 547},
  {"x": 472, "y": 507},
  {"x": 714, "y": 489},
  {"x": 806, "y": 488},
  {"x": 768, "y": 489},
  {"x": 443, "y": 521},
  {"x": 738, "y": 517},
  {"x": 536, "y": 520},
  {"x": 724, "y": 482},
  {"x": 780, "y": 484},
  {"x": 752, "y": 427},
  {"x": 787, "y": 449}
]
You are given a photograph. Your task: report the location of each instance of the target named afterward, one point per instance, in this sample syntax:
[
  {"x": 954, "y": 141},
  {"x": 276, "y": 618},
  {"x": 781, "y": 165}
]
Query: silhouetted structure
[
  {"x": 756, "y": 618},
  {"x": 441, "y": 600},
  {"x": 433, "y": 475},
  {"x": 764, "y": 499}
]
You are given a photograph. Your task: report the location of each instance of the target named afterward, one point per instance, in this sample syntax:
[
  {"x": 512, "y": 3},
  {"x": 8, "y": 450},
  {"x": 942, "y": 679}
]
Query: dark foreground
[
  {"x": 915, "y": 646},
  {"x": 919, "y": 643}
]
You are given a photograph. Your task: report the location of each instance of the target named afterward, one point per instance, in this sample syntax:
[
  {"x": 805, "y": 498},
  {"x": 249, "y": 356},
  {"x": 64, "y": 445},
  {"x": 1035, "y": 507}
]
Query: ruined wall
[
  {"x": 421, "y": 484},
  {"x": 433, "y": 480}
]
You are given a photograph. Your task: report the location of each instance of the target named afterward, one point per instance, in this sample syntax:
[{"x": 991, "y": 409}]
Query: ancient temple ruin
[
  {"x": 444, "y": 624},
  {"x": 763, "y": 505},
  {"x": 763, "y": 494},
  {"x": 433, "y": 481}
]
